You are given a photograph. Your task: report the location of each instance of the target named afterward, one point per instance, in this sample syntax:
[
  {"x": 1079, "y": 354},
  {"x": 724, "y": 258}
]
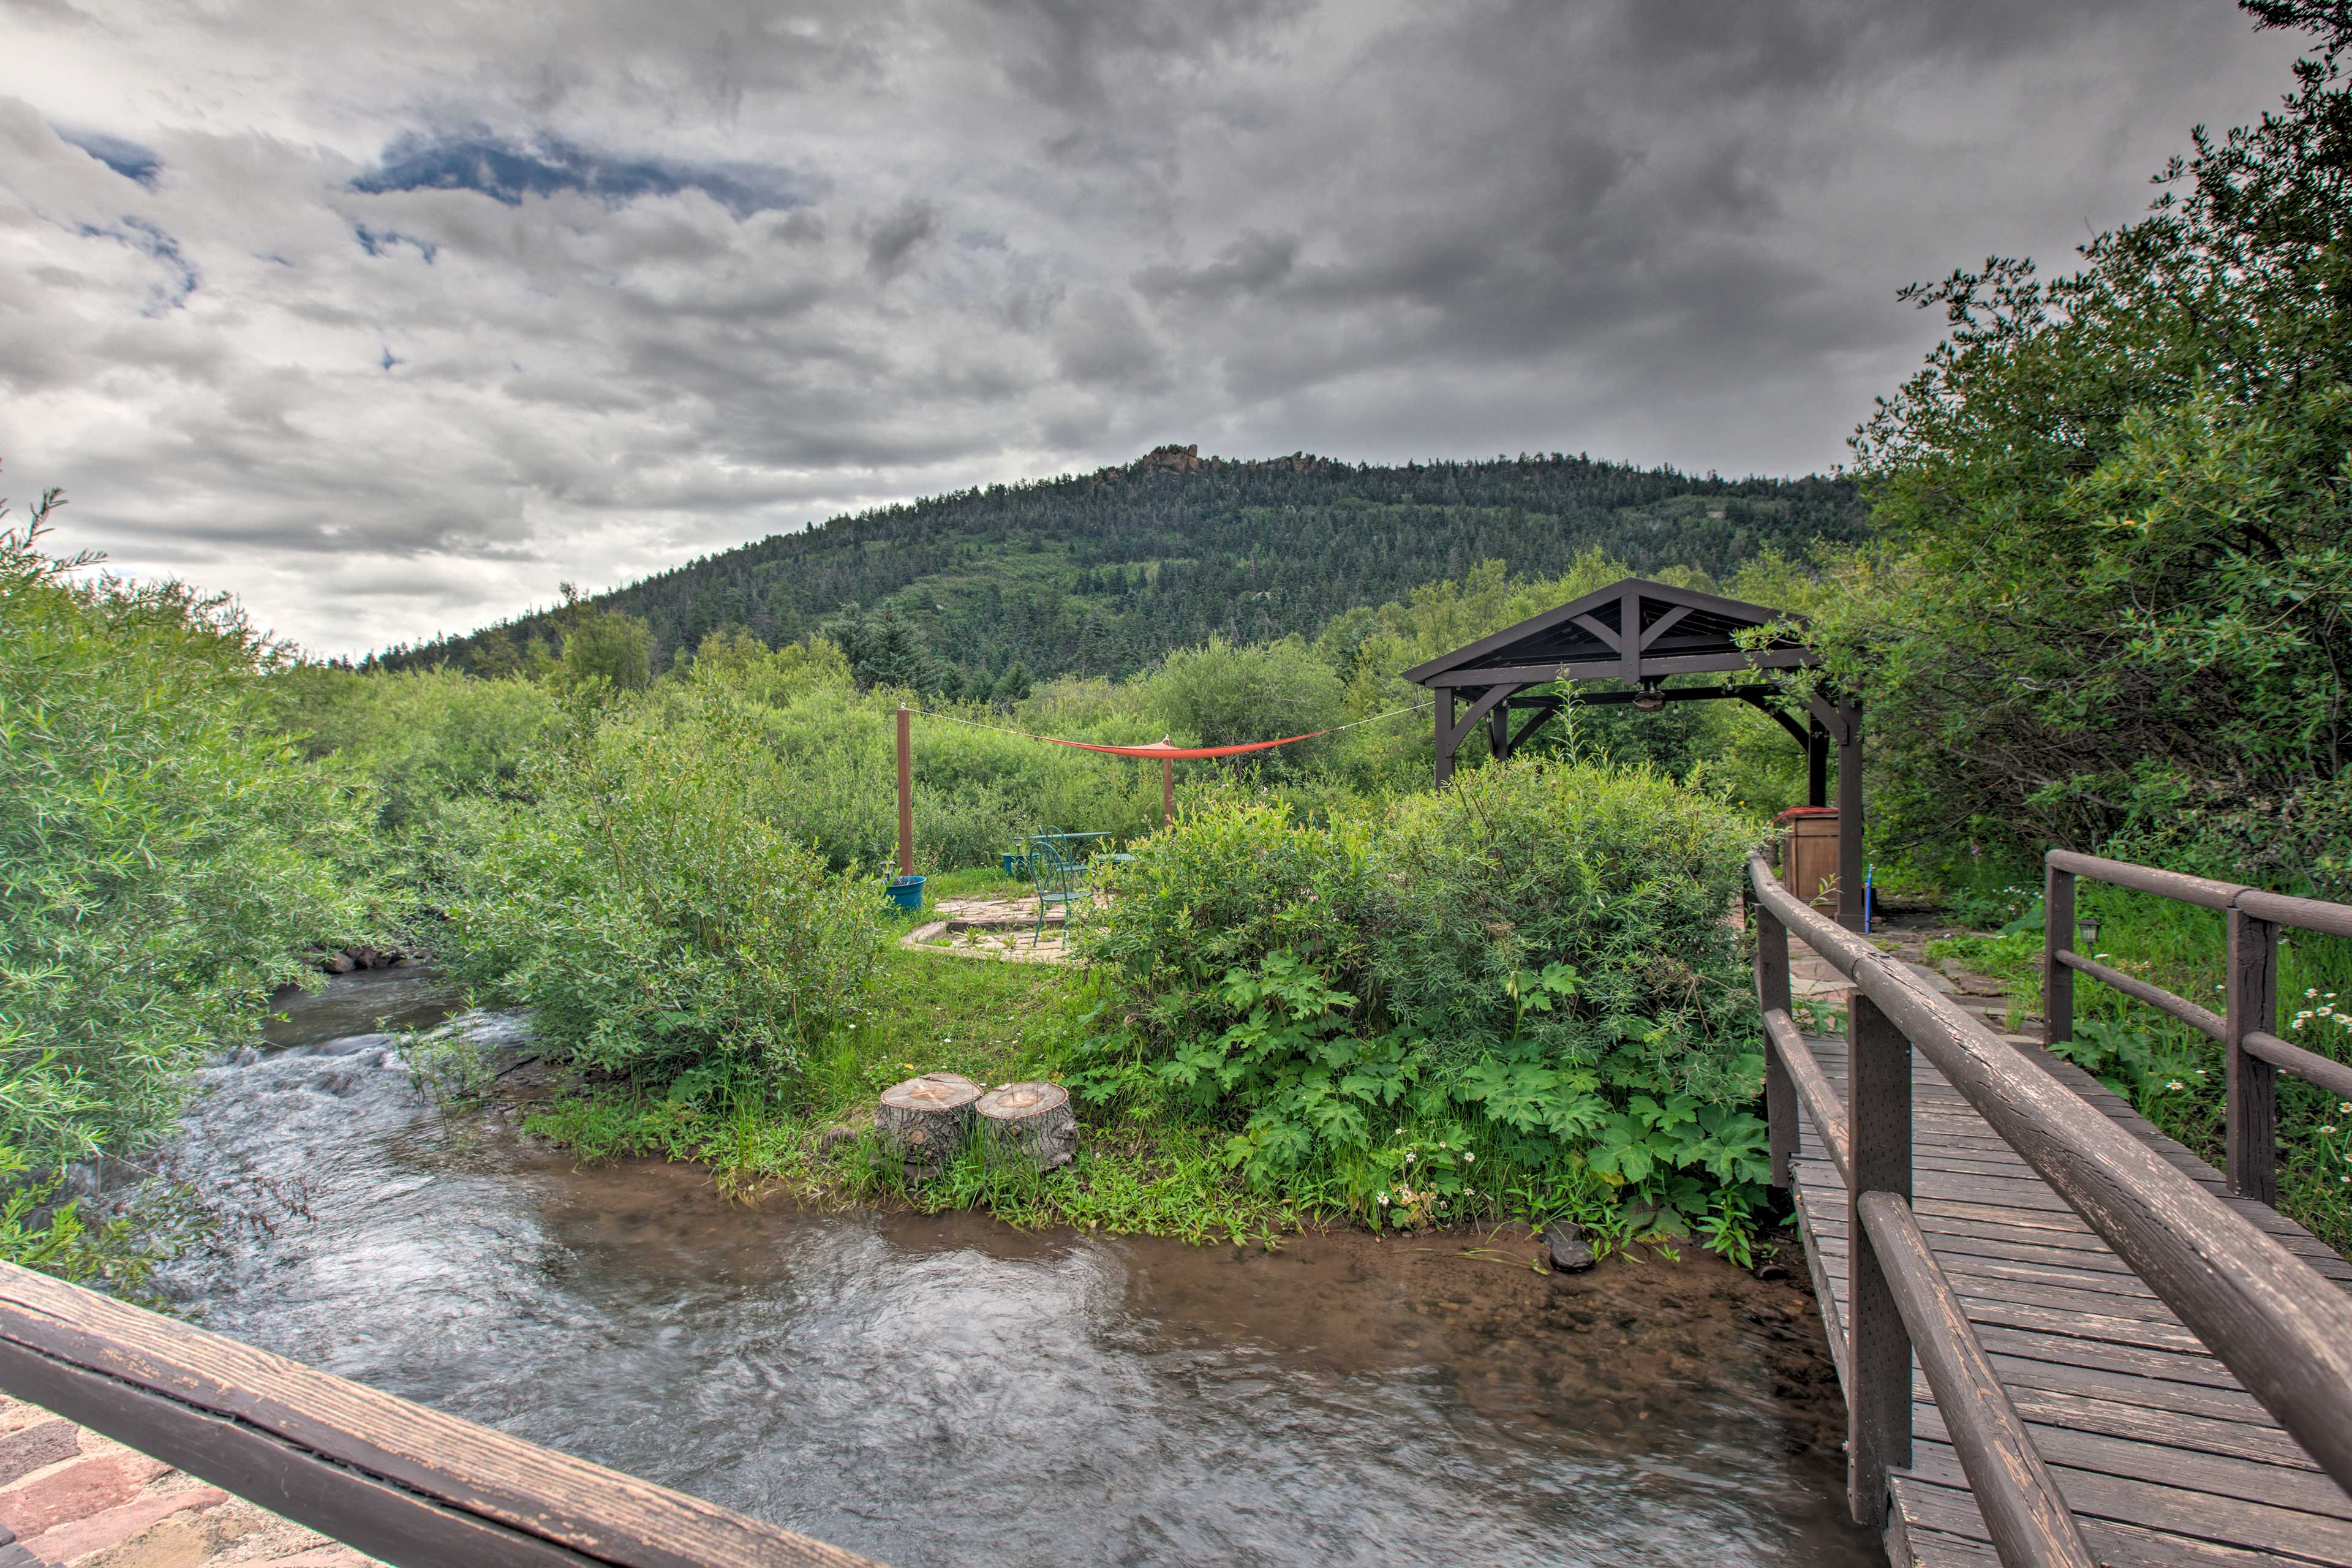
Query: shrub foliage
[{"x": 1539, "y": 965}]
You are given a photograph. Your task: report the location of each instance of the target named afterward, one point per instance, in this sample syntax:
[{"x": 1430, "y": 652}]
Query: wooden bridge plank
[
  {"x": 2169, "y": 1464},
  {"x": 2164, "y": 1457},
  {"x": 1940, "y": 1514},
  {"x": 2291, "y": 1533},
  {"x": 2236, "y": 1438}
]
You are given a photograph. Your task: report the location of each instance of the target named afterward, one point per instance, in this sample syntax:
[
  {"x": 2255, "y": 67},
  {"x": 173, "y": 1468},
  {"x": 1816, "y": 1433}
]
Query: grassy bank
[
  {"x": 1137, "y": 1172},
  {"x": 994, "y": 1022}
]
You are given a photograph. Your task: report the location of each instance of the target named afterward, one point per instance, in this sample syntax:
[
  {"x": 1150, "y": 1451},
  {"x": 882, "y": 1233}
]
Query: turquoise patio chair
[{"x": 1061, "y": 878}]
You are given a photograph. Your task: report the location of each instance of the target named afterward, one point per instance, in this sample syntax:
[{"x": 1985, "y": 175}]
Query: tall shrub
[
  {"x": 165, "y": 857},
  {"x": 2113, "y": 604},
  {"x": 658, "y": 921},
  {"x": 1540, "y": 964}
]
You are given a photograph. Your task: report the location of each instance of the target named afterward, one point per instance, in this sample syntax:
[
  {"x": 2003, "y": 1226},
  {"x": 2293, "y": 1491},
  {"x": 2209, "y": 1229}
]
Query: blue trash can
[{"x": 907, "y": 892}]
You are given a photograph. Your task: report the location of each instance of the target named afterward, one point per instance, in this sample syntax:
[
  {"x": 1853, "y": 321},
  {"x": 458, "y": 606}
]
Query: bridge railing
[
  {"x": 2273, "y": 1319},
  {"x": 394, "y": 1479},
  {"x": 2253, "y": 1054}
]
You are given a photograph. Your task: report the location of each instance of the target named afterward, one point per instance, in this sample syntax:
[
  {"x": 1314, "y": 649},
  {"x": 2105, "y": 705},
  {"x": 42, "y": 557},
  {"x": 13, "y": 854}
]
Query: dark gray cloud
[
  {"x": 391, "y": 325},
  {"x": 894, "y": 238}
]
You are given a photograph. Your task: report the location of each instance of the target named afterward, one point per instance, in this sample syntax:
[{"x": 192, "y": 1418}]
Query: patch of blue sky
[
  {"x": 180, "y": 275},
  {"x": 126, "y": 158},
  {"x": 507, "y": 171},
  {"x": 382, "y": 242}
]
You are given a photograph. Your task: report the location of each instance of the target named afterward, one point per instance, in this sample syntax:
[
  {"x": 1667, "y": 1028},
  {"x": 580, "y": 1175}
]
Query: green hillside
[{"x": 1099, "y": 573}]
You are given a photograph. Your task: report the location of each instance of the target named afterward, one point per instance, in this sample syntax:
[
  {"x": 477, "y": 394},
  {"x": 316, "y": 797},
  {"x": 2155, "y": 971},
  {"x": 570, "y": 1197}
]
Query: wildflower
[
  {"x": 2311, "y": 991},
  {"x": 1469, "y": 1159},
  {"x": 2176, "y": 1083},
  {"x": 2330, "y": 1128},
  {"x": 2344, "y": 1108},
  {"x": 1409, "y": 1157}
]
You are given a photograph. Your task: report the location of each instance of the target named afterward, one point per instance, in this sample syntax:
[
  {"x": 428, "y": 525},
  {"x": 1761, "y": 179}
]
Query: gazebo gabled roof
[{"x": 1677, "y": 631}]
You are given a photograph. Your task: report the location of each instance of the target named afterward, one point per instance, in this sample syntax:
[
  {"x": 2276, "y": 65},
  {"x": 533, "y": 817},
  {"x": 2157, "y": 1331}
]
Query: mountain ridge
[{"x": 1100, "y": 572}]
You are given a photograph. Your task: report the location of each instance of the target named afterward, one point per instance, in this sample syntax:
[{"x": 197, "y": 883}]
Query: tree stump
[
  {"x": 1028, "y": 1123},
  {"x": 927, "y": 1119}
]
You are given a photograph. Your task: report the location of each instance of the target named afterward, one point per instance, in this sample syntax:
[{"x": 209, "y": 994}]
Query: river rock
[
  {"x": 1029, "y": 1124},
  {"x": 339, "y": 964},
  {"x": 1569, "y": 1254},
  {"x": 927, "y": 1121},
  {"x": 843, "y": 1133}
]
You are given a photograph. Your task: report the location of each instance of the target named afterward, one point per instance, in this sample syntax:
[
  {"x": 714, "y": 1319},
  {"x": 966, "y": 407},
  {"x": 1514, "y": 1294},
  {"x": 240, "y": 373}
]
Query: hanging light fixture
[
  {"x": 2089, "y": 926},
  {"x": 1650, "y": 698}
]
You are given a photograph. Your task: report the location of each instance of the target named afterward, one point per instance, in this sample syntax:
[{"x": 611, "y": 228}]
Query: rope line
[{"x": 1161, "y": 749}]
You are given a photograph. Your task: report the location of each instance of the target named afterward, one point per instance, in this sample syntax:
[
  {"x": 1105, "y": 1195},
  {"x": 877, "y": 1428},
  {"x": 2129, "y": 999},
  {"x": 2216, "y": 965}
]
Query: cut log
[
  {"x": 1029, "y": 1124},
  {"x": 927, "y": 1119}
]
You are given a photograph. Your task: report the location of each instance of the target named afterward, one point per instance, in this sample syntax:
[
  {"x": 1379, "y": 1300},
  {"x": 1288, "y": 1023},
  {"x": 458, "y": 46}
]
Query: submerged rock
[{"x": 1569, "y": 1254}]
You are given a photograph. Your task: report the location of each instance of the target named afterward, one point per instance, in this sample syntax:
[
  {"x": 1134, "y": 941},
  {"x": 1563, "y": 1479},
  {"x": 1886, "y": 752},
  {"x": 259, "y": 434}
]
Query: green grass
[
  {"x": 974, "y": 882},
  {"x": 2176, "y": 1080},
  {"x": 994, "y": 1022}
]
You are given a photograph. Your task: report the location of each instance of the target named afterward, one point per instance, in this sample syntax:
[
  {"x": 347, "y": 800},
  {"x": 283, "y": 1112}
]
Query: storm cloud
[{"x": 388, "y": 319}]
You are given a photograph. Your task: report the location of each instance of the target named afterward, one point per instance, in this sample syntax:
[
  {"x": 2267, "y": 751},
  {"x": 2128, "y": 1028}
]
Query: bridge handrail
[
  {"x": 2252, "y": 1055},
  {"x": 2272, "y": 1319},
  {"x": 394, "y": 1479}
]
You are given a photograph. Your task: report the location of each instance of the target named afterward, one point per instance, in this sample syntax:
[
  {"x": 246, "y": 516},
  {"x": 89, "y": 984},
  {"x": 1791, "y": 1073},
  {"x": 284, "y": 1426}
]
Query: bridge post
[
  {"x": 1878, "y": 1347},
  {"x": 2250, "y": 1082},
  {"x": 2057, "y": 936},
  {"x": 1772, "y": 991}
]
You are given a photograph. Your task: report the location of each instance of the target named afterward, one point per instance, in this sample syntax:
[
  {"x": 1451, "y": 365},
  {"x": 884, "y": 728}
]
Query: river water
[{"x": 937, "y": 1390}]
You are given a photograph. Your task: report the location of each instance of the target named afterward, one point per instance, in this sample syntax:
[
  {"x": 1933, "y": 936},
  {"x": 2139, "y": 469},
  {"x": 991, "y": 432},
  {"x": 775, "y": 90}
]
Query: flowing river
[{"x": 943, "y": 1390}]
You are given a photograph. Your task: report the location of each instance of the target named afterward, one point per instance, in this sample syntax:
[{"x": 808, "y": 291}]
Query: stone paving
[
  {"x": 68, "y": 1496},
  {"x": 1000, "y": 929}
]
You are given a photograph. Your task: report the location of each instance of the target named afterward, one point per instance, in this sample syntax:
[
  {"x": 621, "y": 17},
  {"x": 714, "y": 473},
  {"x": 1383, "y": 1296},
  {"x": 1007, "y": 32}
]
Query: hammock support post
[
  {"x": 1168, "y": 792},
  {"x": 906, "y": 791}
]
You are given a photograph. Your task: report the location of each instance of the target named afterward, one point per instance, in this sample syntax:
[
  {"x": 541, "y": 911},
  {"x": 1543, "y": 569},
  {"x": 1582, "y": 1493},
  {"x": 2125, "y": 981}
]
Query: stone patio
[
  {"x": 1004, "y": 930},
  {"x": 70, "y": 1497}
]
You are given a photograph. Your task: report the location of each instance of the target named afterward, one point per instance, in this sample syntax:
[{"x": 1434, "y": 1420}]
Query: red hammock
[{"x": 1162, "y": 749}]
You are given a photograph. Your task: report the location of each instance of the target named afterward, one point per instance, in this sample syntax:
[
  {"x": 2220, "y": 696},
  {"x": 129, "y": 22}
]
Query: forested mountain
[{"x": 1099, "y": 573}]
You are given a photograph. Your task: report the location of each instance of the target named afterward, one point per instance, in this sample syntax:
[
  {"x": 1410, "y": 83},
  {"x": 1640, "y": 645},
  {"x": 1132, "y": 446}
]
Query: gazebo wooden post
[
  {"x": 1167, "y": 791},
  {"x": 906, "y": 791},
  {"x": 1816, "y": 763},
  {"x": 1850, "y": 870},
  {"x": 1444, "y": 710}
]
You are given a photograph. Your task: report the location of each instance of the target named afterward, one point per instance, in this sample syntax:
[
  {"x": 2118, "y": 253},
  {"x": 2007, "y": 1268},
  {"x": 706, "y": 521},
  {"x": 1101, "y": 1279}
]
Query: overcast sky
[{"x": 387, "y": 318}]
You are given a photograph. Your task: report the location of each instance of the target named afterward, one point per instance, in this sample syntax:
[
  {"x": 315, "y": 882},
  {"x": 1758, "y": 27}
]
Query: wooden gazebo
[{"x": 1639, "y": 632}]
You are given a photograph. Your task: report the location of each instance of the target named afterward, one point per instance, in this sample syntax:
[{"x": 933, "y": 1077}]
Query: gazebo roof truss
[{"x": 1640, "y": 633}]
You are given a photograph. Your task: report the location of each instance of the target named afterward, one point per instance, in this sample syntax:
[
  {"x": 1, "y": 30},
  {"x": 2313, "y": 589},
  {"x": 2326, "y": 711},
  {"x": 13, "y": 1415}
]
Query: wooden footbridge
[{"x": 2063, "y": 1338}]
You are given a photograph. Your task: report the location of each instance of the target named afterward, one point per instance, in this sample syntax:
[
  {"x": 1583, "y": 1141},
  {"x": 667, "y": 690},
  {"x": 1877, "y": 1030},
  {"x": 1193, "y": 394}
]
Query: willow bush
[
  {"x": 166, "y": 859},
  {"x": 658, "y": 923}
]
